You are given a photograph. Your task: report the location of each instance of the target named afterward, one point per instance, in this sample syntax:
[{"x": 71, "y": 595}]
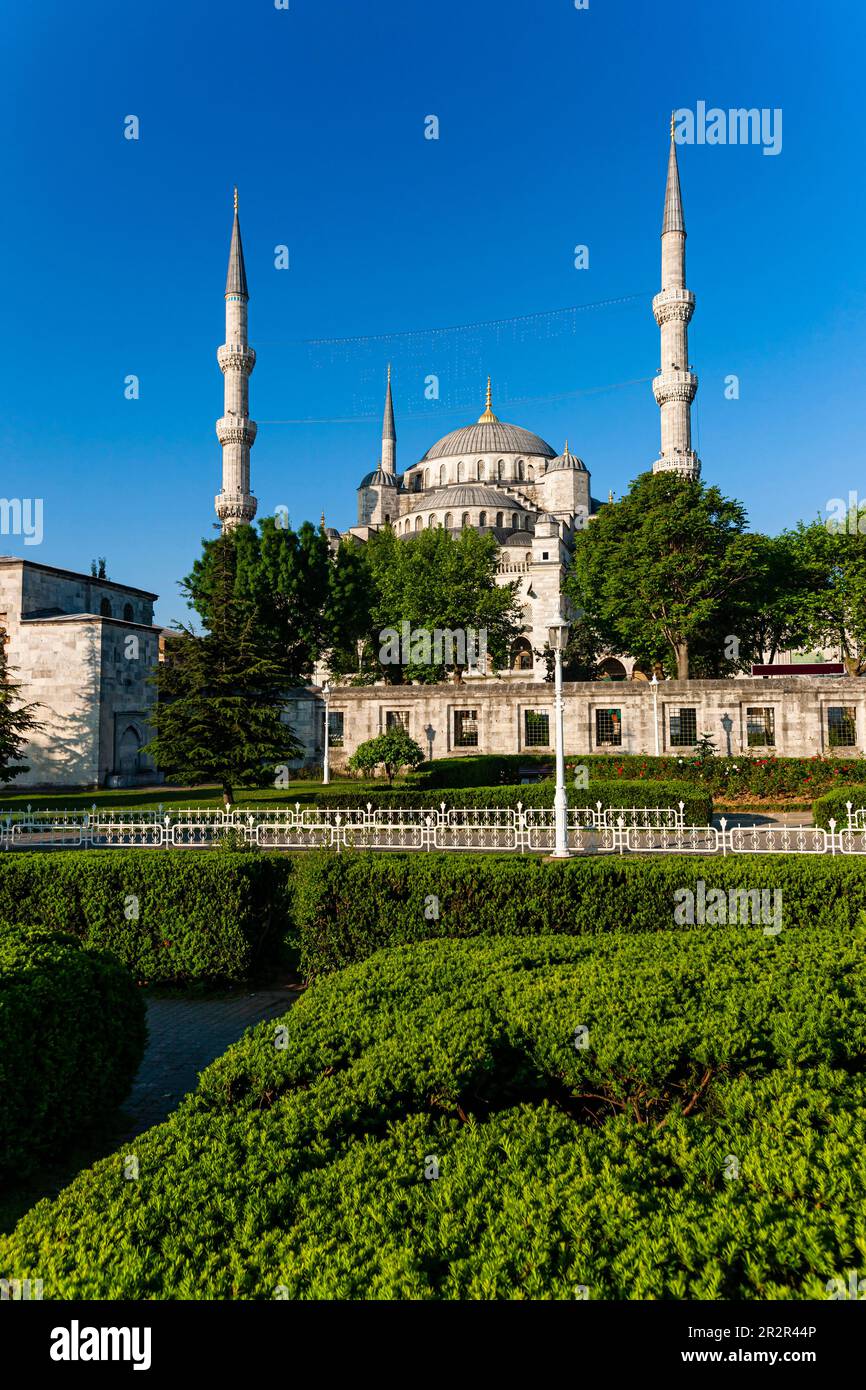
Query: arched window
[
  {"x": 498, "y": 518},
  {"x": 105, "y": 608},
  {"x": 447, "y": 521},
  {"x": 461, "y": 472},
  {"x": 417, "y": 523},
  {"x": 515, "y": 521},
  {"x": 128, "y": 615},
  {"x": 500, "y": 469},
  {"x": 431, "y": 522},
  {"x": 129, "y": 751},
  {"x": 426, "y": 477},
  {"x": 520, "y": 469},
  {"x": 521, "y": 655},
  {"x": 387, "y": 518},
  {"x": 529, "y": 557},
  {"x": 464, "y": 520},
  {"x": 442, "y": 475},
  {"x": 482, "y": 518},
  {"x": 530, "y": 473},
  {"x": 416, "y": 482},
  {"x": 481, "y": 470}
]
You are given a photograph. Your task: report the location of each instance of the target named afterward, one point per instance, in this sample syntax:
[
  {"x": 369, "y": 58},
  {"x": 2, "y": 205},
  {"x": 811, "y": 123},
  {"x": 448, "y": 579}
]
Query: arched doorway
[{"x": 611, "y": 670}]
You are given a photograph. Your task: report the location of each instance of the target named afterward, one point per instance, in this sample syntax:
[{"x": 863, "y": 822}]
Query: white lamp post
[
  {"x": 557, "y": 636},
  {"x": 326, "y": 695},
  {"x": 654, "y": 684}
]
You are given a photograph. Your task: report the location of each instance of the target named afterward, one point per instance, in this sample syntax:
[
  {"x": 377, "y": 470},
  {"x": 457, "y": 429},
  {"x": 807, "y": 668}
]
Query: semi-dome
[
  {"x": 467, "y": 495},
  {"x": 489, "y": 436}
]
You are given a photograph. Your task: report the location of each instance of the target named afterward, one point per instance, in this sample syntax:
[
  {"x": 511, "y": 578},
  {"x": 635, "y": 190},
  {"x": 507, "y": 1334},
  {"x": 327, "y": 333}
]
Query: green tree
[
  {"x": 17, "y": 721},
  {"x": 438, "y": 582},
  {"x": 221, "y": 693},
  {"x": 391, "y": 750},
  {"x": 665, "y": 570}
]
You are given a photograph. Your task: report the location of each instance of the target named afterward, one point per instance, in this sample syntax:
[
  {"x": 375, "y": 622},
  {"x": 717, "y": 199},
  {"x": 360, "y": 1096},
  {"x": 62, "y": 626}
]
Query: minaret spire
[
  {"x": 389, "y": 433},
  {"x": 236, "y": 432},
  {"x": 675, "y": 386}
]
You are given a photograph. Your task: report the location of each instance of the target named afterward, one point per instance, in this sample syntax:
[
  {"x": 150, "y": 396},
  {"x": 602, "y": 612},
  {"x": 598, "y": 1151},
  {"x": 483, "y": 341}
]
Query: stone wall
[{"x": 600, "y": 710}]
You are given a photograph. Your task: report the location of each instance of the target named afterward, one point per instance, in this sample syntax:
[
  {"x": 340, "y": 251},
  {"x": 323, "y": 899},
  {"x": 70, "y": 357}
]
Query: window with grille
[
  {"x": 536, "y": 728},
  {"x": 335, "y": 728},
  {"x": 842, "y": 726},
  {"x": 608, "y": 727},
  {"x": 684, "y": 728},
  {"x": 397, "y": 719},
  {"x": 465, "y": 728},
  {"x": 760, "y": 728}
]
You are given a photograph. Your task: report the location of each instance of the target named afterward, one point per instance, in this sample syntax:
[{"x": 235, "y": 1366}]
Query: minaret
[
  {"x": 389, "y": 433},
  {"x": 675, "y": 386},
  {"x": 236, "y": 432}
]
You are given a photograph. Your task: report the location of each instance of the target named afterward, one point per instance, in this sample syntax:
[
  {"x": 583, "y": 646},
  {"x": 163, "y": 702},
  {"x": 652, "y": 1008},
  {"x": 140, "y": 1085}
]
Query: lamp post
[
  {"x": 557, "y": 636},
  {"x": 326, "y": 695},
  {"x": 654, "y": 685}
]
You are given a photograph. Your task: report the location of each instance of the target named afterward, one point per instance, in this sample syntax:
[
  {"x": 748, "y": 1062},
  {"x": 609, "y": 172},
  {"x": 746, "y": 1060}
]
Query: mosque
[{"x": 490, "y": 475}]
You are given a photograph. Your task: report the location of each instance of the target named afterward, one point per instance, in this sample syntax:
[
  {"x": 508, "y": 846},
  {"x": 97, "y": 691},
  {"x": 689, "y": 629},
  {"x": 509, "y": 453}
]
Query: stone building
[
  {"x": 786, "y": 716},
  {"x": 82, "y": 649},
  {"x": 494, "y": 477}
]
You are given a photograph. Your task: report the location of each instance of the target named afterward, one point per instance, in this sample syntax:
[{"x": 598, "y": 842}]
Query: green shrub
[
  {"x": 698, "y": 803},
  {"x": 306, "y": 1164},
  {"x": 349, "y": 905},
  {"x": 832, "y": 806},
  {"x": 745, "y": 775},
  {"x": 72, "y": 1035},
  {"x": 168, "y": 916}
]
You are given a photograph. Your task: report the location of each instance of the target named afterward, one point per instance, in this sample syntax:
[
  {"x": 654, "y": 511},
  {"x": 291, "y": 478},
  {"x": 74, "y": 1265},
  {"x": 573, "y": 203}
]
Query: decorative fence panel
[{"x": 592, "y": 830}]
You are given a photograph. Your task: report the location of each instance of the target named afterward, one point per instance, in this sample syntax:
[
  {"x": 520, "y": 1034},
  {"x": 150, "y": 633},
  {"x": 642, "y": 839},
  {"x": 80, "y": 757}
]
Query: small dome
[
  {"x": 566, "y": 460},
  {"x": 378, "y": 478}
]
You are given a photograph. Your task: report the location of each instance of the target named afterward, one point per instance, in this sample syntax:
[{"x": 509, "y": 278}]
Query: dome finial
[
  {"x": 565, "y": 450},
  {"x": 488, "y": 418}
]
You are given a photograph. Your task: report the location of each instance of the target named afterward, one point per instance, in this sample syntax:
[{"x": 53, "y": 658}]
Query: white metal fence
[{"x": 594, "y": 830}]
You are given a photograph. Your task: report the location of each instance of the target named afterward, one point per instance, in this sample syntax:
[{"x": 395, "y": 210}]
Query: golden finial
[
  {"x": 323, "y": 519},
  {"x": 673, "y": 122},
  {"x": 566, "y": 448},
  {"x": 488, "y": 418},
  {"x": 610, "y": 496},
  {"x": 236, "y": 199}
]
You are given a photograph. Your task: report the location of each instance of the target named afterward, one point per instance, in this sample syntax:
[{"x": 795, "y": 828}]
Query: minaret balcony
[
  {"x": 235, "y": 506},
  {"x": 673, "y": 304},
  {"x": 236, "y": 357},
  {"x": 236, "y": 429},
  {"x": 675, "y": 386}
]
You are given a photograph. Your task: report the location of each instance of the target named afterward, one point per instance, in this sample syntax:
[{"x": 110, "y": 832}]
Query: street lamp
[
  {"x": 557, "y": 637},
  {"x": 654, "y": 686},
  {"x": 326, "y": 695}
]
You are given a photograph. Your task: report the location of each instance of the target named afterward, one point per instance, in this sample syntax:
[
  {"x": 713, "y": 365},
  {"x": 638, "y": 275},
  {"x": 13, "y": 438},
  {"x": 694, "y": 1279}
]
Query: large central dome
[{"x": 489, "y": 436}]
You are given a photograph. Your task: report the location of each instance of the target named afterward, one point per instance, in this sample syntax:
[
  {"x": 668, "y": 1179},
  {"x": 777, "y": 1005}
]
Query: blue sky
[{"x": 553, "y": 133}]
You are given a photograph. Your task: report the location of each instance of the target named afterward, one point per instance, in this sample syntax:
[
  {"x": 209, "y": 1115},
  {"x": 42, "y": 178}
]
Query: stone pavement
[{"x": 185, "y": 1036}]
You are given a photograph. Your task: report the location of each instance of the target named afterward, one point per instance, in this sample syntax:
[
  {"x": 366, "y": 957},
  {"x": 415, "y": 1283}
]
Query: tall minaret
[
  {"x": 675, "y": 387},
  {"x": 389, "y": 433},
  {"x": 236, "y": 432}
]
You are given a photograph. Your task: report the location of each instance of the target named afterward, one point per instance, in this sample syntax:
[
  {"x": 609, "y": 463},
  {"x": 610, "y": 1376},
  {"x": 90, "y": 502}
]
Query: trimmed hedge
[
  {"x": 833, "y": 806},
  {"x": 698, "y": 804},
  {"x": 169, "y": 917},
  {"x": 72, "y": 1035},
  {"x": 425, "y": 1126},
  {"x": 745, "y": 775},
  {"x": 347, "y": 906}
]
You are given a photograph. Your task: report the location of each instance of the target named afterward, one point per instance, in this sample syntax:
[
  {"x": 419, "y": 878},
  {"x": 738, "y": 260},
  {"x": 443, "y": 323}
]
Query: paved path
[
  {"x": 734, "y": 819},
  {"x": 185, "y": 1036}
]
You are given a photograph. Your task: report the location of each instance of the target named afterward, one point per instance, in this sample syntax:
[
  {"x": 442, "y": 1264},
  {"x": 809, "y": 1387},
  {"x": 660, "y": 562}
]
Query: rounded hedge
[
  {"x": 435, "y": 1123},
  {"x": 72, "y": 1034}
]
